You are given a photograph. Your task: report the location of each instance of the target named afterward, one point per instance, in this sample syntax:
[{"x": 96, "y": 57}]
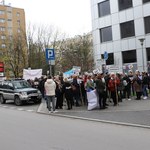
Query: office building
[{"x": 121, "y": 34}]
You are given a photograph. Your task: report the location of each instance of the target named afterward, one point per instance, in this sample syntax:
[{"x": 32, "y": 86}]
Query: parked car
[{"x": 18, "y": 90}]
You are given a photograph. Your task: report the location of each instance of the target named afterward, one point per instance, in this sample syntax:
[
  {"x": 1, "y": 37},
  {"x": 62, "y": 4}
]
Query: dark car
[{"x": 18, "y": 90}]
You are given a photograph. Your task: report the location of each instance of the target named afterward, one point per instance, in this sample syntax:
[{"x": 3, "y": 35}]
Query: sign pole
[{"x": 50, "y": 68}]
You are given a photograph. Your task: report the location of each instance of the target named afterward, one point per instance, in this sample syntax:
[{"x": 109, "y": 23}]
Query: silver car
[{"x": 18, "y": 90}]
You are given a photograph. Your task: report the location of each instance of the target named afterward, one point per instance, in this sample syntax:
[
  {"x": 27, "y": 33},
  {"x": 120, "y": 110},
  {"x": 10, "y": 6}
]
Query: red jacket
[{"x": 113, "y": 83}]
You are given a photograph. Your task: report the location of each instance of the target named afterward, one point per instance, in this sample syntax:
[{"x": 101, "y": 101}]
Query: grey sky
[{"x": 70, "y": 16}]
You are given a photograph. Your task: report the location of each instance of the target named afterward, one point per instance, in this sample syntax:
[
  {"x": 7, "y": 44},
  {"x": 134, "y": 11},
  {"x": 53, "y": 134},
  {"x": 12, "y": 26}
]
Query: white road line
[
  {"x": 5, "y": 106},
  {"x": 21, "y": 109},
  {"x": 30, "y": 110}
]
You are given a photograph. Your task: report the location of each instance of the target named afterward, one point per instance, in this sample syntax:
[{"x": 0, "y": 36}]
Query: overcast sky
[{"x": 72, "y": 17}]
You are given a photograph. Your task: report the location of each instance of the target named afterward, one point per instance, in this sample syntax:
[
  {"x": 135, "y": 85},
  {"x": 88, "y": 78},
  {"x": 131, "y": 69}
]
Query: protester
[
  {"x": 145, "y": 83},
  {"x": 90, "y": 83},
  {"x": 67, "y": 90},
  {"x": 76, "y": 90},
  {"x": 50, "y": 87},
  {"x": 101, "y": 90},
  {"x": 41, "y": 86},
  {"x": 127, "y": 87},
  {"x": 137, "y": 84},
  {"x": 112, "y": 86},
  {"x": 59, "y": 93}
]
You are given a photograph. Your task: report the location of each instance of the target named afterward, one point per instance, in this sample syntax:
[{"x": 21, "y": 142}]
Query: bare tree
[
  {"x": 15, "y": 54},
  {"x": 77, "y": 51},
  {"x": 40, "y": 38}
]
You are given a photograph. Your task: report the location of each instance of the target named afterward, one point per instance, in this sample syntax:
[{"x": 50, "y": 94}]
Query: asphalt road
[
  {"x": 30, "y": 107},
  {"x": 22, "y": 130}
]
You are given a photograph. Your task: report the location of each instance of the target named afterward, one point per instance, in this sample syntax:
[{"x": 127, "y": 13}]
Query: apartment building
[
  {"x": 12, "y": 29},
  {"x": 121, "y": 34}
]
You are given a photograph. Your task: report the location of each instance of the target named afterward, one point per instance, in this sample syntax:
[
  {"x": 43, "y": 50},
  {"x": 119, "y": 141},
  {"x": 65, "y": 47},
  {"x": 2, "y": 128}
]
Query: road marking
[
  {"x": 30, "y": 110},
  {"x": 5, "y": 106},
  {"x": 15, "y": 108},
  {"x": 21, "y": 109}
]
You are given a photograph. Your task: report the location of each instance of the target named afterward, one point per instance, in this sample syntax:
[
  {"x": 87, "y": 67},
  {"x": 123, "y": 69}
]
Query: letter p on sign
[{"x": 50, "y": 55}]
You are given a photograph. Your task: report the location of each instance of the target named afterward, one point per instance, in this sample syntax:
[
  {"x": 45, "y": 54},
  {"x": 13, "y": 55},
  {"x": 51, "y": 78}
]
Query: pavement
[{"x": 135, "y": 113}]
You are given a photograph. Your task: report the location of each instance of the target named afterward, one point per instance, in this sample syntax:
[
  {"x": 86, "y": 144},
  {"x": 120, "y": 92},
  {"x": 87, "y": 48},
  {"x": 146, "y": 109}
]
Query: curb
[{"x": 95, "y": 120}]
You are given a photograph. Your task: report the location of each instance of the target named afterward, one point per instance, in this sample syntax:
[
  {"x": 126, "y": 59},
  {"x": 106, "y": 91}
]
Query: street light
[{"x": 142, "y": 41}]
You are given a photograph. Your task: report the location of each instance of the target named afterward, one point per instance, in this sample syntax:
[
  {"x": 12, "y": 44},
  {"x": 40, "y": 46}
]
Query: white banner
[
  {"x": 92, "y": 100},
  {"x": 32, "y": 74}
]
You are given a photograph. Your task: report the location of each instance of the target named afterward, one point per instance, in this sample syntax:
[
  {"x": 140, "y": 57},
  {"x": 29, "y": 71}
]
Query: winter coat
[
  {"x": 100, "y": 86},
  {"x": 113, "y": 83},
  {"x": 50, "y": 87},
  {"x": 137, "y": 84},
  {"x": 67, "y": 89}
]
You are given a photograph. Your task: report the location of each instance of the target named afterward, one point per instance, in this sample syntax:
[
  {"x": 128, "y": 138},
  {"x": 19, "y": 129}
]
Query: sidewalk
[{"x": 130, "y": 113}]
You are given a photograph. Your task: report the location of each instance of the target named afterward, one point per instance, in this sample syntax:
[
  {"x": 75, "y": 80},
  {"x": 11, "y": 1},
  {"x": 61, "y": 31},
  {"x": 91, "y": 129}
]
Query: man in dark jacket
[{"x": 101, "y": 90}]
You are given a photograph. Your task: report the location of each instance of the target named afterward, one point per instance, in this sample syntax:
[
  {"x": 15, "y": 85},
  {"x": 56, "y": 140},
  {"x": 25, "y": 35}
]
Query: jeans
[
  {"x": 50, "y": 99},
  {"x": 144, "y": 89}
]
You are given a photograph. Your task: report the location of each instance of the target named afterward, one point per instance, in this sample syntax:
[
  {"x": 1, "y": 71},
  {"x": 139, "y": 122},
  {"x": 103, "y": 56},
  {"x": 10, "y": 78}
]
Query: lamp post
[{"x": 142, "y": 41}]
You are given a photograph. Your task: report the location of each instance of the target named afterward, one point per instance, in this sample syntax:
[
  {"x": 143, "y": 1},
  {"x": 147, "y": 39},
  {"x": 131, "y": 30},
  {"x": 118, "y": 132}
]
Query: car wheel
[
  {"x": 17, "y": 101},
  {"x": 2, "y": 100}
]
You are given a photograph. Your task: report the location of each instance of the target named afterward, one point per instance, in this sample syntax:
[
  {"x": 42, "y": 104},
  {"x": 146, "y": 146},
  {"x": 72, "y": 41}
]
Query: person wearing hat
[
  {"x": 112, "y": 86},
  {"x": 101, "y": 90}
]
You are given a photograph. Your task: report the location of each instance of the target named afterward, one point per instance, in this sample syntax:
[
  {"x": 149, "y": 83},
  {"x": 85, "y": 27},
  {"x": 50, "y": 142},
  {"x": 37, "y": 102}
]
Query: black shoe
[
  {"x": 137, "y": 99},
  {"x": 106, "y": 104}
]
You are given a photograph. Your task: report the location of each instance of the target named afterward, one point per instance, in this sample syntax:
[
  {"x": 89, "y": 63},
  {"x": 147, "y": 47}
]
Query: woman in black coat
[{"x": 67, "y": 90}]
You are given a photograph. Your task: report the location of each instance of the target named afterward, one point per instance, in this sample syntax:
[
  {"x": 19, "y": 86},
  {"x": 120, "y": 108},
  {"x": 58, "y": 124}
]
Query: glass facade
[
  {"x": 110, "y": 60},
  {"x": 104, "y": 8},
  {"x": 124, "y": 4},
  {"x": 146, "y": 1},
  {"x": 106, "y": 34},
  {"x": 127, "y": 29},
  {"x": 129, "y": 56},
  {"x": 147, "y": 24}
]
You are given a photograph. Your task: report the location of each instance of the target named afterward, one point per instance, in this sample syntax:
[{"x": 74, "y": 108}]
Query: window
[
  {"x": 9, "y": 19},
  {"x": 124, "y": 4},
  {"x": 18, "y": 22},
  {"x": 3, "y": 37},
  {"x": 10, "y": 30},
  {"x": 147, "y": 24},
  {"x": 2, "y": 12},
  {"x": 146, "y": 1},
  {"x": 18, "y": 30},
  {"x": 2, "y": 28},
  {"x": 129, "y": 56},
  {"x": 104, "y": 8},
  {"x": 18, "y": 14},
  {"x": 9, "y": 12},
  {"x": 106, "y": 34},
  {"x": 127, "y": 29},
  {"x": 10, "y": 37},
  {"x": 110, "y": 60},
  {"x": 2, "y": 20},
  {"x": 148, "y": 54},
  {"x": 3, "y": 46}
]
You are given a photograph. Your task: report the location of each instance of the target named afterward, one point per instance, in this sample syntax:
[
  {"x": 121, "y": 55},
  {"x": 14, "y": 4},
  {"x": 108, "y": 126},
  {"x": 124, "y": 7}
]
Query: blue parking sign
[{"x": 50, "y": 54}]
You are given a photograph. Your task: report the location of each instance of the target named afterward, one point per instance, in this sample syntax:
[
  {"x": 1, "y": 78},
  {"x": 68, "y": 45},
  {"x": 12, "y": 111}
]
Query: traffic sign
[
  {"x": 105, "y": 55},
  {"x": 50, "y": 54}
]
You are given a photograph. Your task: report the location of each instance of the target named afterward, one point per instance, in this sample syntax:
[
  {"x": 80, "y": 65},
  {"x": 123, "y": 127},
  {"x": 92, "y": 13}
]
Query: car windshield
[{"x": 21, "y": 84}]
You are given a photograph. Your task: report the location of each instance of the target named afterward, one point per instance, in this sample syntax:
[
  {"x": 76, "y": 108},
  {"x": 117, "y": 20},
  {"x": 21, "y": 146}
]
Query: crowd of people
[{"x": 109, "y": 86}]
